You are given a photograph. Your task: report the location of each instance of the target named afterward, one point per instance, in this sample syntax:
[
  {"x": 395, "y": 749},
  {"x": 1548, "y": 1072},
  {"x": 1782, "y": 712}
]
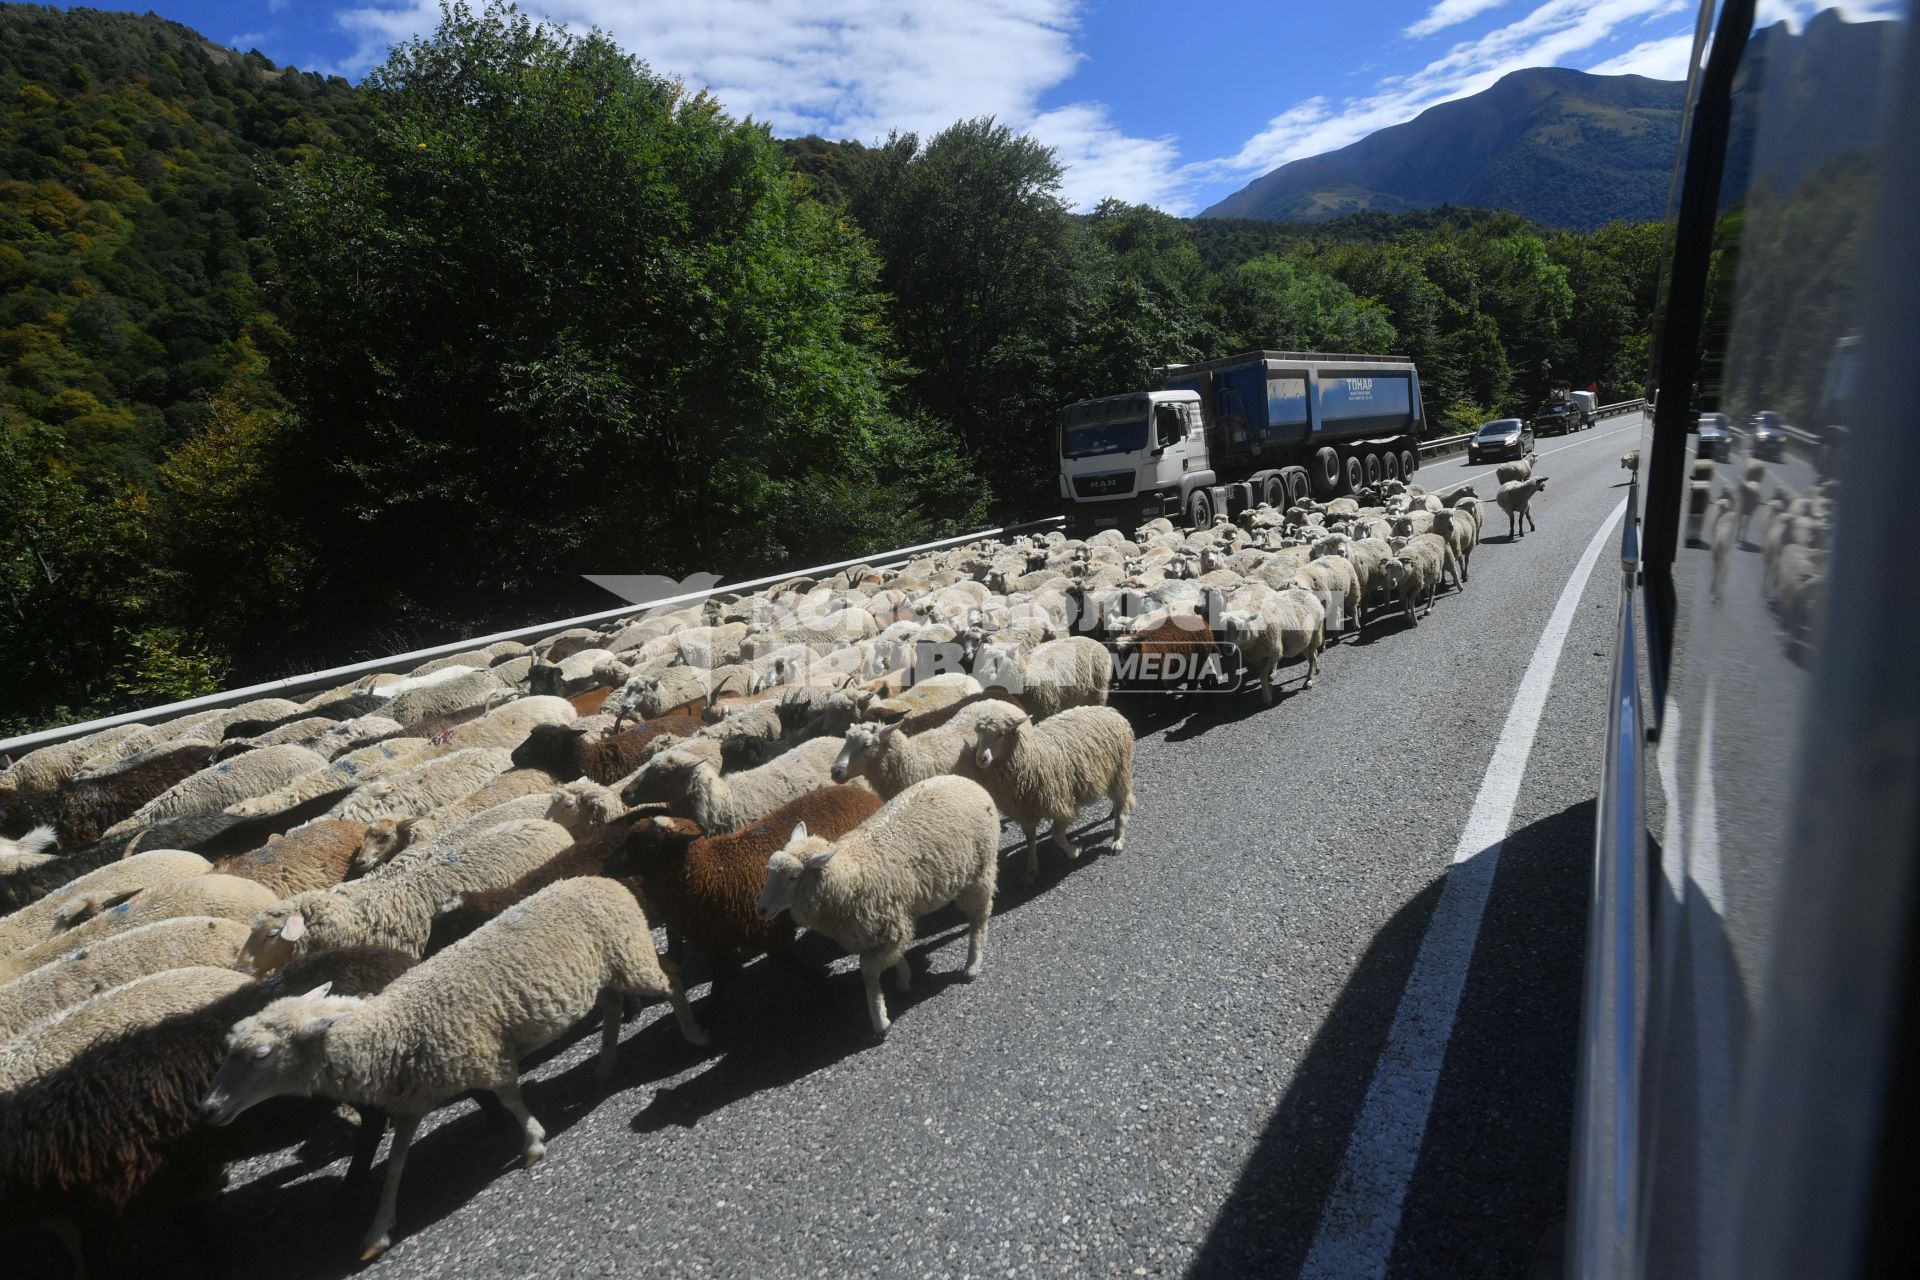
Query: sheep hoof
[
  {"x": 534, "y": 1153},
  {"x": 375, "y": 1248}
]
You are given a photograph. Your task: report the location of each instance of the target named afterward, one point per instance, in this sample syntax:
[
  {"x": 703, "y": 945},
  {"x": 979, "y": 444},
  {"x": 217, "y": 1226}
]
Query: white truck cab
[{"x": 1121, "y": 457}]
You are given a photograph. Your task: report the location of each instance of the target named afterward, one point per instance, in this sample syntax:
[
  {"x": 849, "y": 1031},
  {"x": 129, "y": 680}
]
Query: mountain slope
[{"x": 1561, "y": 147}]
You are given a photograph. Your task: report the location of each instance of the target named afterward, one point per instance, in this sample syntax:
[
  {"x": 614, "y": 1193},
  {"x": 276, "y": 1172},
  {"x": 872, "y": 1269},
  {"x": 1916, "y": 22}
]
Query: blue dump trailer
[{"x": 1264, "y": 426}]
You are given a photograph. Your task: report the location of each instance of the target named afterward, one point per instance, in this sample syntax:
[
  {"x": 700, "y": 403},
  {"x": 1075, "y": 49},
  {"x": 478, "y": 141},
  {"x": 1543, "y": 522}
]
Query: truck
[{"x": 1226, "y": 435}]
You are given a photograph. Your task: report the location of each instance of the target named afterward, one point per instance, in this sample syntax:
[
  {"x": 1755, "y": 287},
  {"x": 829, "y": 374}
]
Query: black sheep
[
  {"x": 81, "y": 809},
  {"x": 118, "y": 1128}
]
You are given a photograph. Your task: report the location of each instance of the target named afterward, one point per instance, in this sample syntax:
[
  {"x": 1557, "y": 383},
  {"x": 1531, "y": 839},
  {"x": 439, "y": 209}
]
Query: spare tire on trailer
[
  {"x": 1408, "y": 464},
  {"x": 1373, "y": 468},
  {"x": 1325, "y": 472},
  {"x": 1356, "y": 474}
]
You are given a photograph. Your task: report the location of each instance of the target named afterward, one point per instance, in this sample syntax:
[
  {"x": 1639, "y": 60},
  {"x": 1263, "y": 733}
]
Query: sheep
[
  {"x": 28, "y": 851},
  {"x": 466, "y": 695},
  {"x": 84, "y": 807},
  {"x": 1047, "y": 770},
  {"x": 457, "y": 1022},
  {"x": 704, "y": 891},
  {"x": 1416, "y": 567},
  {"x": 1285, "y": 625},
  {"x": 355, "y": 768},
  {"x": 50, "y": 767},
  {"x": 651, "y": 694},
  {"x": 1368, "y": 556},
  {"x": 1515, "y": 472},
  {"x": 254, "y": 773},
  {"x": 84, "y": 972},
  {"x": 1175, "y": 649},
  {"x": 508, "y": 726},
  {"x": 1630, "y": 462},
  {"x": 688, "y": 778},
  {"x": 396, "y": 910},
  {"x": 69, "y": 1156},
  {"x": 1516, "y": 499},
  {"x": 1335, "y": 583},
  {"x": 47, "y": 1046},
  {"x": 1075, "y": 672},
  {"x": 419, "y": 788},
  {"x": 1749, "y": 501},
  {"x": 1462, "y": 536},
  {"x": 105, "y": 886},
  {"x": 931, "y": 694},
  {"x": 934, "y": 843},
  {"x": 316, "y": 856},
  {"x": 566, "y": 752},
  {"x": 892, "y": 758},
  {"x": 222, "y": 896}
]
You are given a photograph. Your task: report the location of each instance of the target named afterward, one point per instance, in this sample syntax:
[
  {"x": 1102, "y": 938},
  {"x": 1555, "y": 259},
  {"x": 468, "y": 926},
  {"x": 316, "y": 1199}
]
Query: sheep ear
[
  {"x": 820, "y": 859},
  {"x": 294, "y": 929},
  {"x": 314, "y": 1030},
  {"x": 799, "y": 833},
  {"x": 324, "y": 989}
]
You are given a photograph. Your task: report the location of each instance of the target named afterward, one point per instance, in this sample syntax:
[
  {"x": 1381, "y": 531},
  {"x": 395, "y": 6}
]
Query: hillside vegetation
[{"x": 294, "y": 372}]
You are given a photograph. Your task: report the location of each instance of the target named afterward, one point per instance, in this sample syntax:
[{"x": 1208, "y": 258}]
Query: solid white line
[
  {"x": 1455, "y": 484},
  {"x": 1362, "y": 1213}
]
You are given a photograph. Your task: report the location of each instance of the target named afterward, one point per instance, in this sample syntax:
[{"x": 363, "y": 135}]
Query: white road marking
[
  {"x": 1362, "y": 1213},
  {"x": 1592, "y": 439}
]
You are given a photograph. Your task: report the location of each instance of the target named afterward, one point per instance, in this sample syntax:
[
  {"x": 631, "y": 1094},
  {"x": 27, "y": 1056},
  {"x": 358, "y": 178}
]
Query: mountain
[
  {"x": 1570, "y": 149},
  {"x": 1561, "y": 147}
]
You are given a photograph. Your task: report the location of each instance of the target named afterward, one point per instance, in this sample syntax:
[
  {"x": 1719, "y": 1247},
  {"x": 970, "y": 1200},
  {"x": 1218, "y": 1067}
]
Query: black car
[
  {"x": 1556, "y": 417},
  {"x": 1716, "y": 437},
  {"x": 1769, "y": 439},
  {"x": 1501, "y": 438}
]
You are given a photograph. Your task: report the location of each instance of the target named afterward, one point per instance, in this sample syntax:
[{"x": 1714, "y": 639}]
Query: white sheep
[
  {"x": 893, "y": 757},
  {"x": 1286, "y": 625},
  {"x": 1515, "y": 472},
  {"x": 396, "y": 910},
  {"x": 84, "y": 972},
  {"x": 1458, "y": 527},
  {"x": 353, "y": 769},
  {"x": 102, "y": 887},
  {"x": 508, "y": 725},
  {"x": 1049, "y": 678},
  {"x": 50, "y": 1044},
  {"x": 688, "y": 778},
  {"x": 245, "y": 776},
  {"x": 457, "y": 1022},
  {"x": 424, "y": 786},
  {"x": 49, "y": 767},
  {"x": 1417, "y": 568},
  {"x": 1048, "y": 770},
  {"x": 934, "y": 843},
  {"x": 1630, "y": 462},
  {"x": 82, "y": 923},
  {"x": 1516, "y": 499}
]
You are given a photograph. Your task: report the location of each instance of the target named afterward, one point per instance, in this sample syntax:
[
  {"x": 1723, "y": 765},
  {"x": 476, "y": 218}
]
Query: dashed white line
[{"x": 1362, "y": 1212}]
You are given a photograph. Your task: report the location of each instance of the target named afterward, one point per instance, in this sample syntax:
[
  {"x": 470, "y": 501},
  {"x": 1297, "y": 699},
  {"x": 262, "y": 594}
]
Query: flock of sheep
[{"x": 216, "y": 930}]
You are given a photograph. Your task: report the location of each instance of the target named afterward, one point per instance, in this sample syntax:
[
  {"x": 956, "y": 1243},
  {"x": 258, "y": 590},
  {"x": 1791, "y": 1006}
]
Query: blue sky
[{"x": 1170, "y": 105}]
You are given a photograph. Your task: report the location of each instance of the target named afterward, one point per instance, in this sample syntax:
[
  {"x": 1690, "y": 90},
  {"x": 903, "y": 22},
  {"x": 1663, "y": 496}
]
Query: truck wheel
[
  {"x": 1390, "y": 464},
  {"x": 1273, "y": 492},
  {"x": 1326, "y": 472},
  {"x": 1200, "y": 510},
  {"x": 1356, "y": 475},
  {"x": 1373, "y": 468},
  {"x": 1299, "y": 489},
  {"x": 1408, "y": 463}
]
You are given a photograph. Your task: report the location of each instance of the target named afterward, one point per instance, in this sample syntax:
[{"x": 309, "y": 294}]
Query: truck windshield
[{"x": 1089, "y": 439}]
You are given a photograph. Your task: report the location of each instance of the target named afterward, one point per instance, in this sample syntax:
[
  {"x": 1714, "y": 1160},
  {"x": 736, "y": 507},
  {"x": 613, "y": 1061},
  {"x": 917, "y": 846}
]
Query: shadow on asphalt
[{"x": 1492, "y": 1174}]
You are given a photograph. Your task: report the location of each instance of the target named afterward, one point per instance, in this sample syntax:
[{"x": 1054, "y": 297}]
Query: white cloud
[
  {"x": 277, "y": 6},
  {"x": 1449, "y": 13},
  {"x": 248, "y": 40},
  {"x": 857, "y": 69},
  {"x": 1556, "y": 31},
  {"x": 1665, "y": 59}
]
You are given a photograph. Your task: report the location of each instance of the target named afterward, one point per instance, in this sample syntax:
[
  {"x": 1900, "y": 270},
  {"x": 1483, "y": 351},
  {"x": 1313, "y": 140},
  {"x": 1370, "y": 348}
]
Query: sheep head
[
  {"x": 862, "y": 740},
  {"x": 385, "y": 837},
  {"x": 996, "y": 732},
  {"x": 276, "y": 936},
  {"x": 583, "y": 805},
  {"x": 803, "y": 855},
  {"x": 278, "y": 1052}
]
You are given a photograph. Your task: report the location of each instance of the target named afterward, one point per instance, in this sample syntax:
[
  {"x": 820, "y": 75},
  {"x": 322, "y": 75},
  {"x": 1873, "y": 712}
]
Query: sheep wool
[
  {"x": 934, "y": 843},
  {"x": 457, "y": 1022},
  {"x": 226, "y": 897},
  {"x": 425, "y": 786},
  {"x": 86, "y": 971},
  {"x": 245, "y": 776},
  {"x": 316, "y": 856}
]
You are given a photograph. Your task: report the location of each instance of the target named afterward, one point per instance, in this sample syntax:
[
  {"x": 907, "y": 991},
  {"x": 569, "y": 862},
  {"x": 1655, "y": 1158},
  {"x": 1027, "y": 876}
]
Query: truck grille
[{"x": 1107, "y": 484}]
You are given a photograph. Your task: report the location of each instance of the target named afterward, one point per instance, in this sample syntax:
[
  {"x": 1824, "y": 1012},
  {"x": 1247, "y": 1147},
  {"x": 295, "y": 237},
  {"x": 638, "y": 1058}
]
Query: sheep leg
[
  {"x": 1122, "y": 797},
  {"x": 535, "y": 1137},
  {"x": 366, "y": 1145},
  {"x": 612, "y": 1005},
  {"x": 380, "y": 1235},
  {"x": 1060, "y": 837},
  {"x": 1527, "y": 511},
  {"x": 872, "y": 965},
  {"x": 1313, "y": 658},
  {"x": 976, "y": 903},
  {"x": 1032, "y": 870}
]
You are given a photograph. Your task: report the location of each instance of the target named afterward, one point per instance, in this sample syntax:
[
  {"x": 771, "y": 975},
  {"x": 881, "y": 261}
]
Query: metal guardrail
[
  {"x": 1453, "y": 444},
  {"x": 407, "y": 661}
]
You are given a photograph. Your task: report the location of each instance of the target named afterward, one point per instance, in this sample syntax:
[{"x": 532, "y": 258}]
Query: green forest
[{"x": 294, "y": 371}]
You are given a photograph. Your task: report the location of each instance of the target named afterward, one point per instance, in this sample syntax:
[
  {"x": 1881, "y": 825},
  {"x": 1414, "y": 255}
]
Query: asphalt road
[{"x": 1159, "y": 1068}]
